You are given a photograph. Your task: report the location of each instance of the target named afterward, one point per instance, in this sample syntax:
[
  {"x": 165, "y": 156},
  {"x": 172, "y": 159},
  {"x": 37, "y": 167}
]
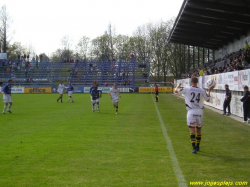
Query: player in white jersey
[
  {"x": 114, "y": 95},
  {"x": 1, "y": 89},
  {"x": 194, "y": 104},
  {"x": 60, "y": 89}
]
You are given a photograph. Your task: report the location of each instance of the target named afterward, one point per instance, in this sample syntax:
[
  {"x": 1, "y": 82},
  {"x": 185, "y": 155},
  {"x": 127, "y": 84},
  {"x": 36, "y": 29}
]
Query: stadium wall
[
  {"x": 232, "y": 47},
  {"x": 236, "y": 81},
  {"x": 86, "y": 89}
]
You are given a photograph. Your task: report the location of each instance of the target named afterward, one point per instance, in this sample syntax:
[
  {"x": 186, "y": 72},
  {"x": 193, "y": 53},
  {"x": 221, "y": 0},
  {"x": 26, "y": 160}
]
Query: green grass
[{"x": 45, "y": 143}]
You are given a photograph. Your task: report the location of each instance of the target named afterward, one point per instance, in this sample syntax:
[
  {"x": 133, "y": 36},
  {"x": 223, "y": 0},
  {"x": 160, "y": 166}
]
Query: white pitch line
[{"x": 177, "y": 170}]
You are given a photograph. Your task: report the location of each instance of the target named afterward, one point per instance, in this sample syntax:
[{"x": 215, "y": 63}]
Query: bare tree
[
  {"x": 67, "y": 43},
  {"x": 82, "y": 46},
  {"x": 5, "y": 33}
]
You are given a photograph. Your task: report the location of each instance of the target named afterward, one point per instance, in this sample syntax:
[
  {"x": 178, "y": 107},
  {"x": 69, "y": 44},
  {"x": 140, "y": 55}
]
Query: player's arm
[
  {"x": 244, "y": 98},
  {"x": 4, "y": 90},
  {"x": 207, "y": 95},
  {"x": 119, "y": 94},
  {"x": 110, "y": 95},
  {"x": 176, "y": 90}
]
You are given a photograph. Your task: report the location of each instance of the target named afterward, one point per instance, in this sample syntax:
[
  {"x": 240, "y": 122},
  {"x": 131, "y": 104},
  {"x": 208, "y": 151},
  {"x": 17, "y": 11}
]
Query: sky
[{"x": 43, "y": 23}]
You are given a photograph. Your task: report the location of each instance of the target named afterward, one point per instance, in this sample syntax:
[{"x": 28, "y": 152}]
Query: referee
[{"x": 156, "y": 93}]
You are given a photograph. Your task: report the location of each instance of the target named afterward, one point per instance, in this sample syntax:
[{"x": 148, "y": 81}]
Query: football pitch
[{"x": 45, "y": 144}]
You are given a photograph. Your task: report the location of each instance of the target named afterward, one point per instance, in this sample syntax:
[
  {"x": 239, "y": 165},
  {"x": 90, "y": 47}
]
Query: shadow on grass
[{"x": 223, "y": 157}]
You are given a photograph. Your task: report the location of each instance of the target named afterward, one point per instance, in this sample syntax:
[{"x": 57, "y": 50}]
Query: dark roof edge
[{"x": 178, "y": 17}]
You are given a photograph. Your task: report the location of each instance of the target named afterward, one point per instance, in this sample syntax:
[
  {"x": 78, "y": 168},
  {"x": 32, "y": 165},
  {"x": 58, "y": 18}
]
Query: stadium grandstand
[
  {"x": 125, "y": 72},
  {"x": 219, "y": 30}
]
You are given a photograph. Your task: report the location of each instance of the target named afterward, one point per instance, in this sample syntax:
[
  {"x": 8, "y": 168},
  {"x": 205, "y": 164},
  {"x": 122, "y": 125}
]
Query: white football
[{"x": 210, "y": 83}]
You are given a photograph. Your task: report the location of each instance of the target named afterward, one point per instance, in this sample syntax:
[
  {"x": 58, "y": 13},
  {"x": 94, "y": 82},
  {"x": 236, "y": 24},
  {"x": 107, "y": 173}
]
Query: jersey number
[{"x": 197, "y": 98}]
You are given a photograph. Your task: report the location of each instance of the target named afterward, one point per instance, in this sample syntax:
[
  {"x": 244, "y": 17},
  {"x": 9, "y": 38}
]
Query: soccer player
[
  {"x": 156, "y": 93},
  {"x": 60, "y": 91},
  {"x": 7, "y": 96},
  {"x": 1, "y": 89},
  {"x": 70, "y": 91},
  {"x": 194, "y": 104},
  {"x": 96, "y": 94},
  {"x": 91, "y": 89},
  {"x": 114, "y": 95}
]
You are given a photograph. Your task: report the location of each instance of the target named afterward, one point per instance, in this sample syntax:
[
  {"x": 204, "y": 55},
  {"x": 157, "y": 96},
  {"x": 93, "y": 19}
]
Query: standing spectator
[
  {"x": 26, "y": 73},
  {"x": 202, "y": 72},
  {"x": 18, "y": 57},
  {"x": 227, "y": 101},
  {"x": 246, "y": 105},
  {"x": 132, "y": 55},
  {"x": 156, "y": 92},
  {"x": 246, "y": 46},
  {"x": 79, "y": 75}
]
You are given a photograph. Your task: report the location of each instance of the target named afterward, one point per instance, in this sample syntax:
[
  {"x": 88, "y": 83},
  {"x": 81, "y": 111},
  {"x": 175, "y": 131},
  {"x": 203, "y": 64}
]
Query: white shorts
[
  {"x": 95, "y": 101},
  {"x": 60, "y": 92},
  {"x": 195, "y": 117},
  {"x": 70, "y": 93},
  {"x": 7, "y": 98},
  {"x": 115, "y": 100}
]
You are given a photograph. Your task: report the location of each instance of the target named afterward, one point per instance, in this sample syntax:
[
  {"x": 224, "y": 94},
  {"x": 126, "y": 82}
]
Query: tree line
[{"x": 148, "y": 41}]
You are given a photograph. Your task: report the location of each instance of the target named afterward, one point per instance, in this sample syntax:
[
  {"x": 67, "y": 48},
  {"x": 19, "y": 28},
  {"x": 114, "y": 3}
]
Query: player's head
[
  {"x": 93, "y": 83},
  {"x": 245, "y": 88},
  {"x": 1, "y": 84},
  {"x": 10, "y": 81},
  {"x": 115, "y": 86},
  {"x": 69, "y": 83},
  {"x": 96, "y": 87},
  {"x": 194, "y": 81},
  {"x": 61, "y": 82},
  {"x": 226, "y": 86}
]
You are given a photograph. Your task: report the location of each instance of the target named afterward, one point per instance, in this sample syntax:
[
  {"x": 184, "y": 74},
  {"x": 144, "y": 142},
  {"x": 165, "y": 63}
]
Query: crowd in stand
[
  {"x": 235, "y": 61},
  {"x": 10, "y": 68}
]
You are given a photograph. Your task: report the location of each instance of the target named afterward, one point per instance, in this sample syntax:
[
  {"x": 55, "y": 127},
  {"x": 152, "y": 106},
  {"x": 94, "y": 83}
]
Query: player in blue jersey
[
  {"x": 91, "y": 89},
  {"x": 96, "y": 94},
  {"x": 7, "y": 96},
  {"x": 1, "y": 88},
  {"x": 70, "y": 89}
]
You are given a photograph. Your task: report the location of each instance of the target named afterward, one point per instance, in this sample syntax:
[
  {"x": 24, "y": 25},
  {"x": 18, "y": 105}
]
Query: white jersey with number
[
  {"x": 194, "y": 97},
  {"x": 114, "y": 93},
  {"x": 60, "y": 88}
]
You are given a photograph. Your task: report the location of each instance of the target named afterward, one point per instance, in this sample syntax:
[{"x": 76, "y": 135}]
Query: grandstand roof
[{"x": 211, "y": 23}]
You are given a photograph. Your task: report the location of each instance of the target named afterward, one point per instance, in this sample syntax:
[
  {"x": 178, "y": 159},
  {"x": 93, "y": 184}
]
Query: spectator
[
  {"x": 78, "y": 75},
  {"x": 227, "y": 101},
  {"x": 246, "y": 104},
  {"x": 26, "y": 73},
  {"x": 202, "y": 72},
  {"x": 246, "y": 46}
]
